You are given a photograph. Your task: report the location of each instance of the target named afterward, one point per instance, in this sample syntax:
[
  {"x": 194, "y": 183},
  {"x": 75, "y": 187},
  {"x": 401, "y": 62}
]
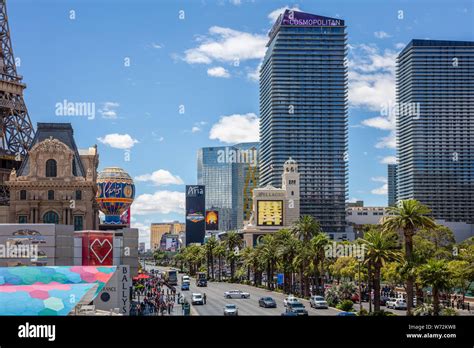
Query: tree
[
  {"x": 344, "y": 268},
  {"x": 435, "y": 243},
  {"x": 435, "y": 273},
  {"x": 232, "y": 243},
  {"x": 380, "y": 248},
  {"x": 407, "y": 218},
  {"x": 220, "y": 252},
  {"x": 269, "y": 249},
  {"x": 318, "y": 244},
  {"x": 210, "y": 246},
  {"x": 287, "y": 250},
  {"x": 306, "y": 228}
]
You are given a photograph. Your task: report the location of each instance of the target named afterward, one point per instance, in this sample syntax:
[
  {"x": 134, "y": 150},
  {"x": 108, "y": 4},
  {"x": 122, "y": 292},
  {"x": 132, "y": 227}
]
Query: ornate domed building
[{"x": 56, "y": 182}]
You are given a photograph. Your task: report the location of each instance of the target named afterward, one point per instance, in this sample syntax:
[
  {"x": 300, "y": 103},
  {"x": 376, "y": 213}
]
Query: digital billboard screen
[
  {"x": 212, "y": 220},
  {"x": 195, "y": 210},
  {"x": 270, "y": 213}
]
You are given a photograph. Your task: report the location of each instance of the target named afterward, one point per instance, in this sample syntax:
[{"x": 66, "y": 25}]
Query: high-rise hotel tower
[
  {"x": 303, "y": 112},
  {"x": 435, "y": 126}
]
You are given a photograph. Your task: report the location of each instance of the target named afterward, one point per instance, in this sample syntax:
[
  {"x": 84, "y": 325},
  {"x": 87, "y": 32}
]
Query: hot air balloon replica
[{"x": 115, "y": 193}]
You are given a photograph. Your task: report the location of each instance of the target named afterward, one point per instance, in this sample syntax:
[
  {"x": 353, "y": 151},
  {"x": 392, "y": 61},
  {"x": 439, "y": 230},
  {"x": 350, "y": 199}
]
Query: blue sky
[{"x": 167, "y": 77}]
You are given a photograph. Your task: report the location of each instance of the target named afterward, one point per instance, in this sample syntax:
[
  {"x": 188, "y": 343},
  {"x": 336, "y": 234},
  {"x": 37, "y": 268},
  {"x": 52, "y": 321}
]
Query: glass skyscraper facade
[
  {"x": 303, "y": 112},
  {"x": 392, "y": 184},
  {"x": 435, "y": 126},
  {"x": 230, "y": 173}
]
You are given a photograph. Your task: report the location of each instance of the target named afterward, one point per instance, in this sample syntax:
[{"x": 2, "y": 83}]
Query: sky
[{"x": 162, "y": 78}]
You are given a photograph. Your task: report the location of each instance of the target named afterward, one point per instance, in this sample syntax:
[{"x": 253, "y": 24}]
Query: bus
[
  {"x": 171, "y": 277},
  {"x": 201, "y": 279}
]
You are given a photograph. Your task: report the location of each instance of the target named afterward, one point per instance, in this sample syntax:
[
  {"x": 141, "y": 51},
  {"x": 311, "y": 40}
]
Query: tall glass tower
[
  {"x": 230, "y": 173},
  {"x": 435, "y": 126},
  {"x": 303, "y": 112},
  {"x": 392, "y": 184}
]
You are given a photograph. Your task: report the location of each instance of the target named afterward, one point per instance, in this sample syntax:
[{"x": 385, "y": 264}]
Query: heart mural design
[{"x": 101, "y": 249}]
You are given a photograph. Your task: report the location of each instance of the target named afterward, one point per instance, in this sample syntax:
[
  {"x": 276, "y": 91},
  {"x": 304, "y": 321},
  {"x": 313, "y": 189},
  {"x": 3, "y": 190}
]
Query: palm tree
[
  {"x": 210, "y": 246},
  {"x": 407, "y": 218},
  {"x": 269, "y": 256},
  {"x": 306, "y": 228},
  {"x": 220, "y": 252},
  {"x": 380, "y": 248},
  {"x": 317, "y": 245},
  {"x": 435, "y": 273},
  {"x": 232, "y": 242},
  {"x": 300, "y": 262},
  {"x": 287, "y": 250}
]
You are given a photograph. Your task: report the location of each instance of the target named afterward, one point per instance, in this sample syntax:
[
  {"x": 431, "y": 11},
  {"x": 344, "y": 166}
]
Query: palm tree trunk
[
  {"x": 435, "y": 301},
  {"x": 410, "y": 280},
  {"x": 377, "y": 287},
  {"x": 219, "y": 265}
]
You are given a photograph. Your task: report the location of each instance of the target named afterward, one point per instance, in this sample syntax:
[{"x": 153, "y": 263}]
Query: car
[
  {"x": 289, "y": 314},
  {"x": 390, "y": 302},
  {"x": 236, "y": 294},
  {"x": 184, "y": 286},
  {"x": 267, "y": 302},
  {"x": 297, "y": 308},
  {"x": 197, "y": 299},
  {"x": 383, "y": 300},
  {"x": 400, "y": 303},
  {"x": 289, "y": 300},
  {"x": 318, "y": 302},
  {"x": 231, "y": 310},
  {"x": 346, "y": 314}
]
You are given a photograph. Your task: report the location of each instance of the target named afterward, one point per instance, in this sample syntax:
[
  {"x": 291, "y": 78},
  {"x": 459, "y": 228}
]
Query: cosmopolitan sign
[{"x": 302, "y": 19}]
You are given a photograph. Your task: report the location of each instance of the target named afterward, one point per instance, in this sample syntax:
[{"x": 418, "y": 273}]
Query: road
[{"x": 215, "y": 299}]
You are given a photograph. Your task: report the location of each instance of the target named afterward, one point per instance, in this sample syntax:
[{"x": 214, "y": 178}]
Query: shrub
[
  {"x": 332, "y": 297},
  {"x": 363, "y": 312},
  {"x": 345, "y": 305},
  {"x": 448, "y": 312},
  {"x": 381, "y": 313}
]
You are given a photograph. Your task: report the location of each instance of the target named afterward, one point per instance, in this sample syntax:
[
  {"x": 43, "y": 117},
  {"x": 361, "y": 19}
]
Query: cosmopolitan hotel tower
[
  {"x": 303, "y": 111},
  {"x": 435, "y": 125}
]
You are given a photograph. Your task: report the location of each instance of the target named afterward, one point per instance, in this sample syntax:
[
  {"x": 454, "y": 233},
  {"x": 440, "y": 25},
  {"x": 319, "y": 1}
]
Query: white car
[
  {"x": 290, "y": 300},
  {"x": 231, "y": 310},
  {"x": 197, "y": 299},
  {"x": 400, "y": 303},
  {"x": 318, "y": 302},
  {"x": 390, "y": 303},
  {"x": 236, "y": 294}
]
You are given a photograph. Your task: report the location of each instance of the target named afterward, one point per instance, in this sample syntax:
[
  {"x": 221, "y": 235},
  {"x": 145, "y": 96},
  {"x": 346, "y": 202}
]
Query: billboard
[
  {"x": 269, "y": 213},
  {"x": 97, "y": 248},
  {"x": 212, "y": 220},
  {"x": 195, "y": 210}
]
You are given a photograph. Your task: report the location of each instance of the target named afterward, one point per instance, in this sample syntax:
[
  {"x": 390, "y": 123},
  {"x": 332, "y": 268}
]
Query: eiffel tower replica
[{"x": 16, "y": 129}]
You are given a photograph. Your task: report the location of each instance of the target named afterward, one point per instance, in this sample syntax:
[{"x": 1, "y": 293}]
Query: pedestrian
[{"x": 204, "y": 298}]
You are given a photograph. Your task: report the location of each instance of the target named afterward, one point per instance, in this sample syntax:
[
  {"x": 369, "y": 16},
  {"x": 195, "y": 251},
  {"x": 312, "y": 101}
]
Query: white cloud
[
  {"x": 218, "y": 71},
  {"x": 108, "y": 110},
  {"x": 157, "y": 46},
  {"x": 273, "y": 16},
  {"x": 254, "y": 75},
  {"x": 118, "y": 141},
  {"x": 382, "y": 190},
  {"x": 160, "y": 202},
  {"x": 389, "y": 160},
  {"x": 160, "y": 177},
  {"x": 235, "y": 2},
  {"x": 400, "y": 45},
  {"x": 379, "y": 122},
  {"x": 195, "y": 129},
  {"x": 143, "y": 232},
  {"x": 381, "y": 35},
  {"x": 372, "y": 86},
  {"x": 226, "y": 45},
  {"x": 236, "y": 128}
]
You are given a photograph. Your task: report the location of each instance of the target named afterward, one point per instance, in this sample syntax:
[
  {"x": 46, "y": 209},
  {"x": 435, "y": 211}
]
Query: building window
[
  {"x": 78, "y": 195},
  {"x": 23, "y": 219},
  {"x": 50, "y": 195},
  {"x": 78, "y": 223},
  {"x": 51, "y": 218},
  {"x": 74, "y": 170},
  {"x": 51, "y": 168},
  {"x": 23, "y": 195}
]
